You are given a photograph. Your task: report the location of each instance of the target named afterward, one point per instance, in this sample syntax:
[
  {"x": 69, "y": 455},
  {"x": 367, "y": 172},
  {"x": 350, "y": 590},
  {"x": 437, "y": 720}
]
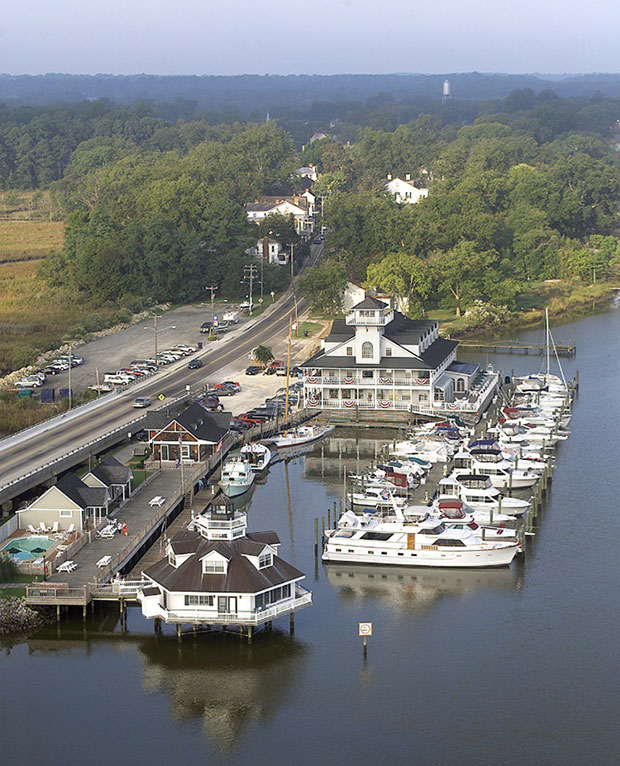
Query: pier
[
  {"x": 146, "y": 522},
  {"x": 567, "y": 349}
]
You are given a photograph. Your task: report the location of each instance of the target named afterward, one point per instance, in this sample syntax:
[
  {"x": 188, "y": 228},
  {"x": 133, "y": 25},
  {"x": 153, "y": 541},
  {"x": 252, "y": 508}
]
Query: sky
[{"x": 313, "y": 37}]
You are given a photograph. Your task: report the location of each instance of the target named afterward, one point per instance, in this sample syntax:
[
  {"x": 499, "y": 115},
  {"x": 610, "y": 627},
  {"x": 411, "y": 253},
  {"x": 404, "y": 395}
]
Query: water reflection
[
  {"x": 407, "y": 589},
  {"x": 226, "y": 683}
]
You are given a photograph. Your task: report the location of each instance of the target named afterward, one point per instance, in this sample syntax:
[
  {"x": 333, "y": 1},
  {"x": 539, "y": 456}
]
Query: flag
[{"x": 219, "y": 445}]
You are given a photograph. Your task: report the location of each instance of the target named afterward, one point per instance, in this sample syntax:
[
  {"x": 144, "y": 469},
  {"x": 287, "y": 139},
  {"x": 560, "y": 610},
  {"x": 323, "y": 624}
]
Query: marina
[{"x": 215, "y": 695}]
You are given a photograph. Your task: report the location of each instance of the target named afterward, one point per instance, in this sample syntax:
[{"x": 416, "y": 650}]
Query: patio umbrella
[
  {"x": 12, "y": 550},
  {"x": 38, "y": 550}
]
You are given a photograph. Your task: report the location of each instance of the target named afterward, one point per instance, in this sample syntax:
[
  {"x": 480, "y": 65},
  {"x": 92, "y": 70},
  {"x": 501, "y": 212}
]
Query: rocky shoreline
[{"x": 17, "y": 617}]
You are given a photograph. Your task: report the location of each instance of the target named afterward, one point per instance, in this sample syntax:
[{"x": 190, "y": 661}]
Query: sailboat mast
[{"x": 288, "y": 369}]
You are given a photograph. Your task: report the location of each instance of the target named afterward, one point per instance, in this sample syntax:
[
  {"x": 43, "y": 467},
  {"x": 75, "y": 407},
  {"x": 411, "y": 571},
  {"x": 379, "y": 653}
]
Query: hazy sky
[{"x": 317, "y": 36}]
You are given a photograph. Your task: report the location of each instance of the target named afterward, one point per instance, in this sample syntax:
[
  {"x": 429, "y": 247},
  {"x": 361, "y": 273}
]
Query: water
[{"x": 517, "y": 666}]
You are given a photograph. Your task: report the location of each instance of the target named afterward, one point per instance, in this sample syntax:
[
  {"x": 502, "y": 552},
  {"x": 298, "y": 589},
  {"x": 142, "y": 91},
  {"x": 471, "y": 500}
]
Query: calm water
[{"x": 514, "y": 666}]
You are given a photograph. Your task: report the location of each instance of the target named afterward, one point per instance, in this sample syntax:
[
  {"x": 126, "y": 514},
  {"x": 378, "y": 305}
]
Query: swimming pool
[{"x": 27, "y": 548}]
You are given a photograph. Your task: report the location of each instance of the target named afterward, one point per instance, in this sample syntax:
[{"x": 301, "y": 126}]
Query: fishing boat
[
  {"x": 301, "y": 435},
  {"x": 427, "y": 543},
  {"x": 258, "y": 456},
  {"x": 237, "y": 476}
]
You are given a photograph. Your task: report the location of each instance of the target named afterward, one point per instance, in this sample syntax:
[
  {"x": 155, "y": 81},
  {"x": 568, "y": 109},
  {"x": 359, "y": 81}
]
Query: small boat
[
  {"x": 237, "y": 476},
  {"x": 258, "y": 455},
  {"x": 426, "y": 543},
  {"x": 502, "y": 472},
  {"x": 301, "y": 435}
]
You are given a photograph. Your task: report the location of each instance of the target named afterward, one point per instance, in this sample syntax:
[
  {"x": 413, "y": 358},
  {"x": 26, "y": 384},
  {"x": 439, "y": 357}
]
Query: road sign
[
  {"x": 365, "y": 629},
  {"x": 161, "y": 397}
]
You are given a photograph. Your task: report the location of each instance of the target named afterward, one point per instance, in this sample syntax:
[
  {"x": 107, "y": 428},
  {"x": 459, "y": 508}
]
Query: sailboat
[
  {"x": 555, "y": 386},
  {"x": 304, "y": 434}
]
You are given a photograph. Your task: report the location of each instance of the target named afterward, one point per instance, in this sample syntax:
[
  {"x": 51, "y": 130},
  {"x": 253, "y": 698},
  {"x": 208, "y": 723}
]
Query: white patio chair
[
  {"x": 55, "y": 528},
  {"x": 42, "y": 527},
  {"x": 32, "y": 529},
  {"x": 71, "y": 529}
]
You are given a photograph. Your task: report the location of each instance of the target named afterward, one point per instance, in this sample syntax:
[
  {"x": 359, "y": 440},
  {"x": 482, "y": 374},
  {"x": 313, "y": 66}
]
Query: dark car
[
  {"x": 269, "y": 371},
  {"x": 317, "y": 240},
  {"x": 195, "y": 364},
  {"x": 239, "y": 425},
  {"x": 212, "y": 403},
  {"x": 51, "y": 370},
  {"x": 234, "y": 386},
  {"x": 205, "y": 327},
  {"x": 252, "y": 370},
  {"x": 221, "y": 391}
]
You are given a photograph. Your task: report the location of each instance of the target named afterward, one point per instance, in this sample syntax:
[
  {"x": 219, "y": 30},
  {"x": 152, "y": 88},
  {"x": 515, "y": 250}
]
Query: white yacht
[
  {"x": 476, "y": 490},
  {"x": 428, "y": 543},
  {"x": 258, "y": 456},
  {"x": 301, "y": 435},
  {"x": 237, "y": 476},
  {"x": 429, "y": 450},
  {"x": 376, "y": 497},
  {"x": 452, "y": 509},
  {"x": 502, "y": 472}
]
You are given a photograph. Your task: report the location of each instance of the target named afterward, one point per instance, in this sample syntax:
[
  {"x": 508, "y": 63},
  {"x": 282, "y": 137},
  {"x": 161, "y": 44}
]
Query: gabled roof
[
  {"x": 206, "y": 426},
  {"x": 80, "y": 493},
  {"x": 241, "y": 575},
  {"x": 111, "y": 471},
  {"x": 370, "y": 303},
  {"x": 264, "y": 204}
]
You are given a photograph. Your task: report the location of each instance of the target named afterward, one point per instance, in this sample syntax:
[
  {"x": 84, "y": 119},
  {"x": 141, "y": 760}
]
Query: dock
[
  {"x": 146, "y": 522},
  {"x": 568, "y": 349}
]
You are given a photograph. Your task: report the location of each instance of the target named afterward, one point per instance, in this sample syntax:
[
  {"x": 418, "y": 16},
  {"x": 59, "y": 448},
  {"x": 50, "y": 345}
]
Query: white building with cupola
[{"x": 378, "y": 359}]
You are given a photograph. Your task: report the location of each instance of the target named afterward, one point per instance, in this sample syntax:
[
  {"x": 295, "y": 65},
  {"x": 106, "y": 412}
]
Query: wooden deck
[{"x": 568, "y": 349}]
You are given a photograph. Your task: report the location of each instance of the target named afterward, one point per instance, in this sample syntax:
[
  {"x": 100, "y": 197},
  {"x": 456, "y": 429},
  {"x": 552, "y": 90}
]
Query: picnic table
[
  {"x": 68, "y": 566},
  {"x": 157, "y": 500},
  {"x": 104, "y": 561}
]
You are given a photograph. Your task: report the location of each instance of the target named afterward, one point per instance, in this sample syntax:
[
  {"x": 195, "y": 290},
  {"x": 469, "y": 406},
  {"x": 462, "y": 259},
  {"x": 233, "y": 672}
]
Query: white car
[
  {"x": 30, "y": 382},
  {"x": 142, "y": 401}
]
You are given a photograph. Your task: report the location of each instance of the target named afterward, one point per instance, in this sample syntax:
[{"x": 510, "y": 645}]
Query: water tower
[{"x": 445, "y": 93}]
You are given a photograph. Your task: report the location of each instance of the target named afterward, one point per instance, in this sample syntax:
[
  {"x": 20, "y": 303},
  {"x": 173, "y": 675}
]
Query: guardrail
[{"x": 246, "y": 617}]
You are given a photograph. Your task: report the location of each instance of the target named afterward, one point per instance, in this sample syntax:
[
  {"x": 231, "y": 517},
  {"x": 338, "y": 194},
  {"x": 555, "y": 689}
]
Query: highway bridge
[{"x": 32, "y": 457}]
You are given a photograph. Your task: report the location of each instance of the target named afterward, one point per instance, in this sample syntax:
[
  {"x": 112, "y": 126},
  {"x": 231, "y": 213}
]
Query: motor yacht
[
  {"x": 237, "y": 476},
  {"x": 258, "y": 456},
  {"x": 477, "y": 491}
]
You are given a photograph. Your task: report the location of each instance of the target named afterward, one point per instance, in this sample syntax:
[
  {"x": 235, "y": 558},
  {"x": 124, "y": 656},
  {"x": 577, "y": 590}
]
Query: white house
[
  {"x": 216, "y": 573},
  {"x": 307, "y": 172},
  {"x": 378, "y": 359},
  {"x": 300, "y": 207},
  {"x": 275, "y": 252},
  {"x": 69, "y": 503},
  {"x": 404, "y": 192}
]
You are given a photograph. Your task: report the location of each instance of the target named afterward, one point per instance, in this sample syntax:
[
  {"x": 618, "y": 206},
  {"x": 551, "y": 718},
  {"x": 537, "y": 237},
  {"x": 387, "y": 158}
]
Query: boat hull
[
  {"x": 474, "y": 559},
  {"x": 283, "y": 442},
  {"x": 232, "y": 490}
]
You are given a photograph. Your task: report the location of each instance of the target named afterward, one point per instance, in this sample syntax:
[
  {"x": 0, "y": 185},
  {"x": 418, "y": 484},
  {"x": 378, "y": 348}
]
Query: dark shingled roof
[
  {"x": 206, "y": 426},
  {"x": 370, "y": 303},
  {"x": 111, "y": 471},
  {"x": 151, "y": 591},
  {"x": 85, "y": 496},
  {"x": 241, "y": 577}
]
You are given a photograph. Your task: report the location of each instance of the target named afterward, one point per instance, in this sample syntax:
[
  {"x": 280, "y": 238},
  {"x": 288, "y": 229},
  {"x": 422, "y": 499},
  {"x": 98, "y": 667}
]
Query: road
[{"x": 28, "y": 454}]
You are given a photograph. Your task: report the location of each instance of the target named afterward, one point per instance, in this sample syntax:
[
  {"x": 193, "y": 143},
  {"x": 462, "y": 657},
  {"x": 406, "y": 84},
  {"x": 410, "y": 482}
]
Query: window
[
  {"x": 388, "y": 352},
  {"x": 263, "y": 600},
  {"x": 367, "y": 350},
  {"x": 460, "y": 385},
  {"x": 376, "y": 536},
  {"x": 172, "y": 559},
  {"x": 367, "y": 374},
  {"x": 423, "y": 397},
  {"x": 66, "y": 513},
  {"x": 214, "y": 567},
  {"x": 198, "y": 600},
  {"x": 349, "y": 350},
  {"x": 265, "y": 560},
  {"x": 450, "y": 543},
  {"x": 436, "y": 531}
]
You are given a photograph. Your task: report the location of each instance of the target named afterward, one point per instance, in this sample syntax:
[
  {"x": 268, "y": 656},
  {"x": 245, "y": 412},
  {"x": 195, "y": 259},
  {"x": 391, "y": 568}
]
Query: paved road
[{"x": 40, "y": 449}]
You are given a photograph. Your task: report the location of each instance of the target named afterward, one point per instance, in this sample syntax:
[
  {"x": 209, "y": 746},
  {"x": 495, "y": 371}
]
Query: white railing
[
  {"x": 362, "y": 320},
  {"x": 254, "y": 617}
]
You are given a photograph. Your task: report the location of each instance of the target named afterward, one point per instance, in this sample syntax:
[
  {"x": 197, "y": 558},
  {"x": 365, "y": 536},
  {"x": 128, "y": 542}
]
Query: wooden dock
[{"x": 568, "y": 349}]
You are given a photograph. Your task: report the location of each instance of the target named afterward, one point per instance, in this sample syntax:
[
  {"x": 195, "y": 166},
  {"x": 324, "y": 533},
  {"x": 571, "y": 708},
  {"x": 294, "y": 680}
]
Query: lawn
[{"x": 312, "y": 328}]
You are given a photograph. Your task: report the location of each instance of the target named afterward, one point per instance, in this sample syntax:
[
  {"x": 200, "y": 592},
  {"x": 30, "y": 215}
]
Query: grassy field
[
  {"x": 29, "y": 240},
  {"x": 26, "y": 205}
]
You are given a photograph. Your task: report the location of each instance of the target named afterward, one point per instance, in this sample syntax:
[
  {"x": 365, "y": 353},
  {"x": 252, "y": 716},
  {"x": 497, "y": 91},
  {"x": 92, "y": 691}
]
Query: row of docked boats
[
  {"x": 473, "y": 520},
  {"x": 240, "y": 470}
]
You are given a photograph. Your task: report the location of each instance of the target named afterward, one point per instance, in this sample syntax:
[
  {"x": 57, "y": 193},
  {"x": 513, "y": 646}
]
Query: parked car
[
  {"x": 229, "y": 384},
  {"x": 195, "y": 364},
  {"x": 317, "y": 240},
  {"x": 276, "y": 363},
  {"x": 245, "y": 306},
  {"x": 239, "y": 425},
  {"x": 142, "y": 436},
  {"x": 255, "y": 420},
  {"x": 32, "y": 381},
  {"x": 212, "y": 404},
  {"x": 232, "y": 317},
  {"x": 269, "y": 371},
  {"x": 205, "y": 327},
  {"x": 141, "y": 401},
  {"x": 50, "y": 369},
  {"x": 281, "y": 370},
  {"x": 187, "y": 350},
  {"x": 252, "y": 370}
]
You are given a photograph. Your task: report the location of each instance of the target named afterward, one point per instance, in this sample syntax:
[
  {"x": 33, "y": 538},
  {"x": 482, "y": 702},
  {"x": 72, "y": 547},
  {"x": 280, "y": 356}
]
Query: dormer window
[
  {"x": 214, "y": 566},
  {"x": 265, "y": 560},
  {"x": 172, "y": 559}
]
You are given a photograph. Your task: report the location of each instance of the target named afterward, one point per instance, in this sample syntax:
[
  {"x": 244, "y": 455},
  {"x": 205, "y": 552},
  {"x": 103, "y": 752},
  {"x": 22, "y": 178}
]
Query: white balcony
[
  {"x": 209, "y": 616},
  {"x": 380, "y": 320}
]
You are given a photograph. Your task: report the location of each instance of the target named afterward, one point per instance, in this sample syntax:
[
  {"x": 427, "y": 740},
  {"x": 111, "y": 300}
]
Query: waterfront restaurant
[
  {"x": 378, "y": 359},
  {"x": 216, "y": 573},
  {"x": 193, "y": 434}
]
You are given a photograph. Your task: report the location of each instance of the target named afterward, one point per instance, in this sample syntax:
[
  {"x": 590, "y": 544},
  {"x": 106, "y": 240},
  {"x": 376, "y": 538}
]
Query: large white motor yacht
[{"x": 237, "y": 476}]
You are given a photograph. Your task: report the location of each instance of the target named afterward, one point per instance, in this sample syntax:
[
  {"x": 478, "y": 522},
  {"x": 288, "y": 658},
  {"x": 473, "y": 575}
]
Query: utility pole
[
  {"x": 155, "y": 329},
  {"x": 70, "y": 360},
  {"x": 249, "y": 273},
  {"x": 292, "y": 263},
  {"x": 213, "y": 291}
]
